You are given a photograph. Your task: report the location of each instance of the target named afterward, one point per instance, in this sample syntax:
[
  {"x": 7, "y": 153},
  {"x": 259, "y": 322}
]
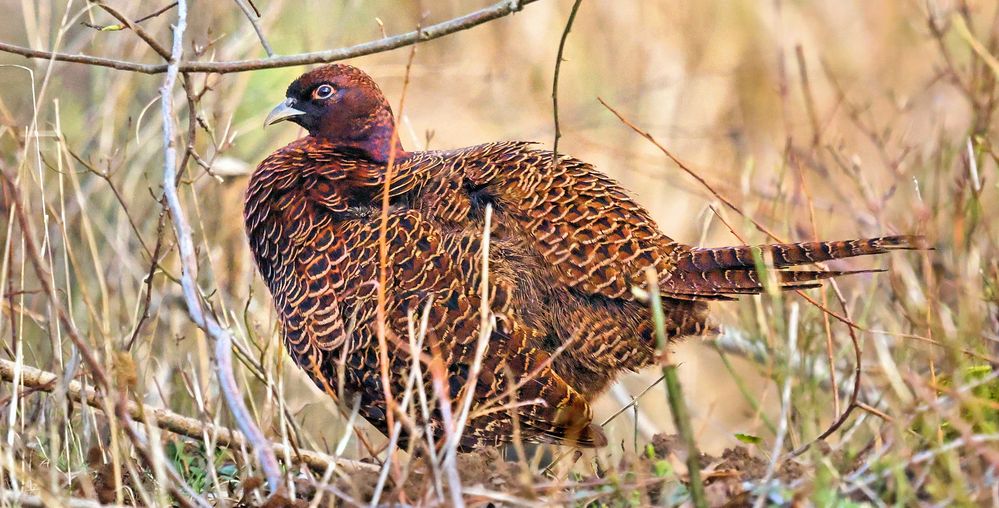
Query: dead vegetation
[{"x": 732, "y": 121}]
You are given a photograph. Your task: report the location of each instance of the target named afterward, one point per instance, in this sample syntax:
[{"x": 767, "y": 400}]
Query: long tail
[{"x": 717, "y": 272}]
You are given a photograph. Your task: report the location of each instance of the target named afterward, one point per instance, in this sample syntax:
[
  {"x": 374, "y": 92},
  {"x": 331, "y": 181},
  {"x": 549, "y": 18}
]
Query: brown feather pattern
[{"x": 567, "y": 245}]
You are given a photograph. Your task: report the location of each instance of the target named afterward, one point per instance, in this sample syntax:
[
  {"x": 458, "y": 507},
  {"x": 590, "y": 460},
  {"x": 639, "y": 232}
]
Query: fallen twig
[{"x": 45, "y": 381}]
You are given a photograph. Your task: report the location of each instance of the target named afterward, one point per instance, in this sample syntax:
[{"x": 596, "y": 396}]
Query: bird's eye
[{"x": 323, "y": 92}]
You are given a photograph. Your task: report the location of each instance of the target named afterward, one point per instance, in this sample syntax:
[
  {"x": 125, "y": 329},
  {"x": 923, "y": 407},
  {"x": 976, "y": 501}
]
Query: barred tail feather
[
  {"x": 718, "y": 272},
  {"x": 792, "y": 254}
]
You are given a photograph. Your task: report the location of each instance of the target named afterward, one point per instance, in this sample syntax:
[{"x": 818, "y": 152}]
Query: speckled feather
[{"x": 567, "y": 245}]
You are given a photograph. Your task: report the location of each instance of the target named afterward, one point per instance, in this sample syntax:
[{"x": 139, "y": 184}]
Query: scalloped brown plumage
[{"x": 567, "y": 244}]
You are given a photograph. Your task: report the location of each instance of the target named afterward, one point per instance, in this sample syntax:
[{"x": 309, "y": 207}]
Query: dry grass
[{"x": 814, "y": 119}]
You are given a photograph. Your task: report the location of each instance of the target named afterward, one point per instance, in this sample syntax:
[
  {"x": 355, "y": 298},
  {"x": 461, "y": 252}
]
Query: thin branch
[
  {"x": 114, "y": 28},
  {"x": 156, "y": 13},
  {"x": 141, "y": 32},
  {"x": 252, "y": 16},
  {"x": 645, "y": 134},
  {"x": 857, "y": 377},
  {"x": 473, "y": 19},
  {"x": 185, "y": 244},
  {"x": 558, "y": 68},
  {"x": 253, "y": 6},
  {"x": 153, "y": 264},
  {"x": 40, "y": 380}
]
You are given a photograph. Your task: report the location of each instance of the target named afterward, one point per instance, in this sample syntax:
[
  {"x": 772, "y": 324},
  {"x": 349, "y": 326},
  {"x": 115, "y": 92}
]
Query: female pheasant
[{"x": 567, "y": 246}]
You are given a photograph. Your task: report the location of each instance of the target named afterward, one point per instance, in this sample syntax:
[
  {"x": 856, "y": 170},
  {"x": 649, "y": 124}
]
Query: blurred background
[{"x": 835, "y": 120}]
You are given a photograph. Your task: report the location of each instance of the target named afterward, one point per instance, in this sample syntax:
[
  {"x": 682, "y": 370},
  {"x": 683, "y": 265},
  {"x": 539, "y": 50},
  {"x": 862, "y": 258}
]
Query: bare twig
[
  {"x": 682, "y": 165},
  {"x": 147, "y": 17},
  {"x": 189, "y": 268},
  {"x": 153, "y": 264},
  {"x": 473, "y": 19},
  {"x": 857, "y": 378}
]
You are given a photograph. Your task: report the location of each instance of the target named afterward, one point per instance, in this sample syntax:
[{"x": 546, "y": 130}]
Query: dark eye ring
[{"x": 323, "y": 92}]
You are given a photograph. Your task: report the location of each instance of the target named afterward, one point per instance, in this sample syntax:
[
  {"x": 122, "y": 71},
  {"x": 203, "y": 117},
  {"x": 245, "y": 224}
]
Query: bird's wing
[
  {"x": 598, "y": 240},
  {"x": 595, "y": 237}
]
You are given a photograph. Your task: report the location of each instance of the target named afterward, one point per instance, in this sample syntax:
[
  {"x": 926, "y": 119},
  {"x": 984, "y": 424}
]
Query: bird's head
[{"x": 341, "y": 105}]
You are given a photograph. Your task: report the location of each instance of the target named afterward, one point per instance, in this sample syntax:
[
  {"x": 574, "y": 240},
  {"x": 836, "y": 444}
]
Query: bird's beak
[{"x": 282, "y": 112}]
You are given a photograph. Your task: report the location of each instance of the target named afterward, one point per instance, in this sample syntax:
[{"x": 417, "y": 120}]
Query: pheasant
[{"x": 567, "y": 245}]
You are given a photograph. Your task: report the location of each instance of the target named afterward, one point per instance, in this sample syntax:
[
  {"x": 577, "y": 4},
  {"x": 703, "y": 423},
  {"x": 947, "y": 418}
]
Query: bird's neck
[
  {"x": 373, "y": 135},
  {"x": 379, "y": 145}
]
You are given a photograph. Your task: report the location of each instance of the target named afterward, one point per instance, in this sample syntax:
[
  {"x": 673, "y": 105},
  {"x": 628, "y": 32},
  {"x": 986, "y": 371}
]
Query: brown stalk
[{"x": 383, "y": 268}]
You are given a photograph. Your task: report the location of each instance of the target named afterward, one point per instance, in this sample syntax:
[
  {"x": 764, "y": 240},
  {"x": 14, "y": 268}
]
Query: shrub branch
[{"x": 470, "y": 20}]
